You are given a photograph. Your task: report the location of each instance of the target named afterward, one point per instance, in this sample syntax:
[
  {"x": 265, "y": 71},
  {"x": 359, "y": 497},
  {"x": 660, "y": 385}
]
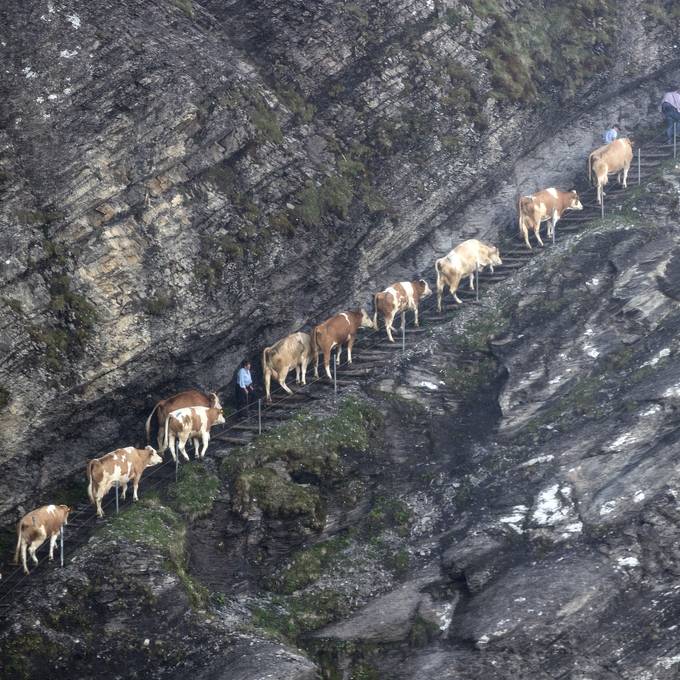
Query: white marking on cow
[
  {"x": 51, "y": 509},
  {"x": 408, "y": 289},
  {"x": 552, "y": 191},
  {"x": 345, "y": 315}
]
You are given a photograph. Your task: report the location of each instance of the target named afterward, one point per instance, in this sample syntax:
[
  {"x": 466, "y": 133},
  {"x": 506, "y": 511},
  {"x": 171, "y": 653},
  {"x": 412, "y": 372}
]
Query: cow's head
[
  {"x": 495, "y": 256},
  {"x": 220, "y": 417},
  {"x": 214, "y": 400},
  {"x": 575, "y": 202},
  {"x": 424, "y": 288},
  {"x": 154, "y": 458},
  {"x": 65, "y": 509},
  {"x": 366, "y": 321}
]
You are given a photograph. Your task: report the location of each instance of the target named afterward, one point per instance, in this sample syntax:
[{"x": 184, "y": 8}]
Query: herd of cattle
[{"x": 191, "y": 414}]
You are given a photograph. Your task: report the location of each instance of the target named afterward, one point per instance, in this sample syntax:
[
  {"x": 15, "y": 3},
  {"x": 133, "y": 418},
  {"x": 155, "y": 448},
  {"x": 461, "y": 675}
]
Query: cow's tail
[
  {"x": 18, "y": 548},
  {"x": 166, "y": 441},
  {"x": 315, "y": 352},
  {"x": 266, "y": 366},
  {"x": 148, "y": 423},
  {"x": 90, "y": 483},
  {"x": 375, "y": 311}
]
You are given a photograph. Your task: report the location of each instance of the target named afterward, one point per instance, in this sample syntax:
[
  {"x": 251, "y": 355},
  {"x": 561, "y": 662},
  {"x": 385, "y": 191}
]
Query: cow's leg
[
  {"x": 472, "y": 281},
  {"x": 23, "y": 554},
  {"x": 338, "y": 353},
  {"x": 197, "y": 446},
  {"x": 626, "y": 168},
  {"x": 135, "y": 487},
  {"x": 53, "y": 543},
  {"x": 389, "y": 320},
  {"x": 283, "y": 374},
  {"x": 182, "y": 443},
  {"x": 537, "y": 233},
  {"x": 33, "y": 547},
  {"x": 173, "y": 446},
  {"x": 403, "y": 319},
  {"x": 206, "y": 440},
  {"x": 98, "y": 498},
  {"x": 525, "y": 232},
  {"x": 303, "y": 370},
  {"x": 124, "y": 487},
  {"x": 415, "y": 313},
  {"x": 297, "y": 374},
  {"x": 453, "y": 288},
  {"x": 327, "y": 362},
  {"x": 350, "y": 343}
]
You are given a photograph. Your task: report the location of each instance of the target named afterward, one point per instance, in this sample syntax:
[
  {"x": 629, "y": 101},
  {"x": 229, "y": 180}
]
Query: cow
[
  {"x": 613, "y": 157},
  {"x": 295, "y": 350},
  {"x": 547, "y": 205},
  {"x": 36, "y": 527},
  {"x": 118, "y": 467},
  {"x": 464, "y": 260},
  {"x": 181, "y": 400},
  {"x": 335, "y": 332},
  {"x": 399, "y": 297},
  {"x": 191, "y": 423}
]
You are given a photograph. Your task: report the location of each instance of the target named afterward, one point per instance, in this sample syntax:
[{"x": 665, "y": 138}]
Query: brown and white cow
[
  {"x": 118, "y": 467},
  {"x": 36, "y": 527},
  {"x": 181, "y": 400},
  {"x": 335, "y": 332},
  {"x": 464, "y": 260},
  {"x": 613, "y": 157},
  {"x": 293, "y": 351},
  {"x": 547, "y": 205},
  {"x": 191, "y": 423},
  {"x": 399, "y": 297}
]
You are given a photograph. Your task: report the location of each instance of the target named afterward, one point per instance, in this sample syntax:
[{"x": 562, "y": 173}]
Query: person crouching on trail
[
  {"x": 244, "y": 389},
  {"x": 670, "y": 107}
]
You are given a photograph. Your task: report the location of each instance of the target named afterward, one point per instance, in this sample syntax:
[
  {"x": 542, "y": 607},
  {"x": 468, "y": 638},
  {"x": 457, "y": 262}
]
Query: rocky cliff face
[{"x": 183, "y": 182}]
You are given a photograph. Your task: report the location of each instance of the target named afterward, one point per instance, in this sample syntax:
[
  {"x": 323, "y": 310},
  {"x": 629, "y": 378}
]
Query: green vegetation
[
  {"x": 14, "y": 305},
  {"x": 530, "y": 53},
  {"x": 304, "y": 112},
  {"x": 388, "y": 512},
  {"x": 335, "y": 194},
  {"x": 466, "y": 380},
  {"x": 277, "y": 497},
  {"x": 156, "y": 526},
  {"x": 24, "y": 652},
  {"x": 266, "y": 124},
  {"x": 187, "y": 6},
  {"x": 194, "y": 492},
  {"x": 422, "y": 632},
  {"x": 358, "y": 13},
  {"x": 308, "y": 446},
  {"x": 158, "y": 304},
  {"x": 4, "y": 397},
  {"x": 306, "y": 566},
  {"x": 280, "y": 222},
  {"x": 288, "y": 617},
  {"x": 464, "y": 97}
]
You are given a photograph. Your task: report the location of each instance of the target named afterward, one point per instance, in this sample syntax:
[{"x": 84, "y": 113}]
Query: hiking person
[
  {"x": 244, "y": 389},
  {"x": 670, "y": 107},
  {"x": 610, "y": 134}
]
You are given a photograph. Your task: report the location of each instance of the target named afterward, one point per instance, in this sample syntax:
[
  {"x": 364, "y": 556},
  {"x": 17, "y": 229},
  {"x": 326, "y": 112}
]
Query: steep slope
[{"x": 184, "y": 181}]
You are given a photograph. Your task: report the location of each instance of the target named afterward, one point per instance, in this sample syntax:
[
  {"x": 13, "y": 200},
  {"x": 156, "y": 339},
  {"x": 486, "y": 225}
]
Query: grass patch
[
  {"x": 156, "y": 526},
  {"x": 187, "y": 6},
  {"x": 266, "y": 124},
  {"x": 306, "y": 566},
  {"x": 304, "y": 112},
  {"x": 389, "y": 513},
  {"x": 158, "y": 304},
  {"x": 467, "y": 380},
  {"x": 194, "y": 492}
]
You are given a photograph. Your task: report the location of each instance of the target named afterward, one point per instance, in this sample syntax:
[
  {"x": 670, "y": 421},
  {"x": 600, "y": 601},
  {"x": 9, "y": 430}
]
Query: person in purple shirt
[
  {"x": 611, "y": 134},
  {"x": 670, "y": 107}
]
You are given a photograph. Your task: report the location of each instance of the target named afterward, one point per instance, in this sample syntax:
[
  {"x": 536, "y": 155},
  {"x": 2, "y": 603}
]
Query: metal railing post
[
  {"x": 477, "y": 283},
  {"x": 61, "y": 541},
  {"x": 176, "y": 468},
  {"x": 116, "y": 497},
  {"x": 335, "y": 373},
  {"x": 403, "y": 337},
  {"x": 602, "y": 206},
  {"x": 675, "y": 140},
  {"x": 259, "y": 416},
  {"x": 638, "y": 165}
]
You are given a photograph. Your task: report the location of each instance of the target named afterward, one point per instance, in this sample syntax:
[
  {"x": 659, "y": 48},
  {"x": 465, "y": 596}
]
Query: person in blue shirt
[
  {"x": 244, "y": 388},
  {"x": 611, "y": 134}
]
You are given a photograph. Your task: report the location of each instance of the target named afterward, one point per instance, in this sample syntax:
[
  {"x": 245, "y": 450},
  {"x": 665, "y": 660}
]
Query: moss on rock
[{"x": 195, "y": 491}]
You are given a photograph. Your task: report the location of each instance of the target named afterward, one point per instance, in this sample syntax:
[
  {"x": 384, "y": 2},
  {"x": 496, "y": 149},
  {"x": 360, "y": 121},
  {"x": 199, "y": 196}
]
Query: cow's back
[{"x": 617, "y": 154}]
